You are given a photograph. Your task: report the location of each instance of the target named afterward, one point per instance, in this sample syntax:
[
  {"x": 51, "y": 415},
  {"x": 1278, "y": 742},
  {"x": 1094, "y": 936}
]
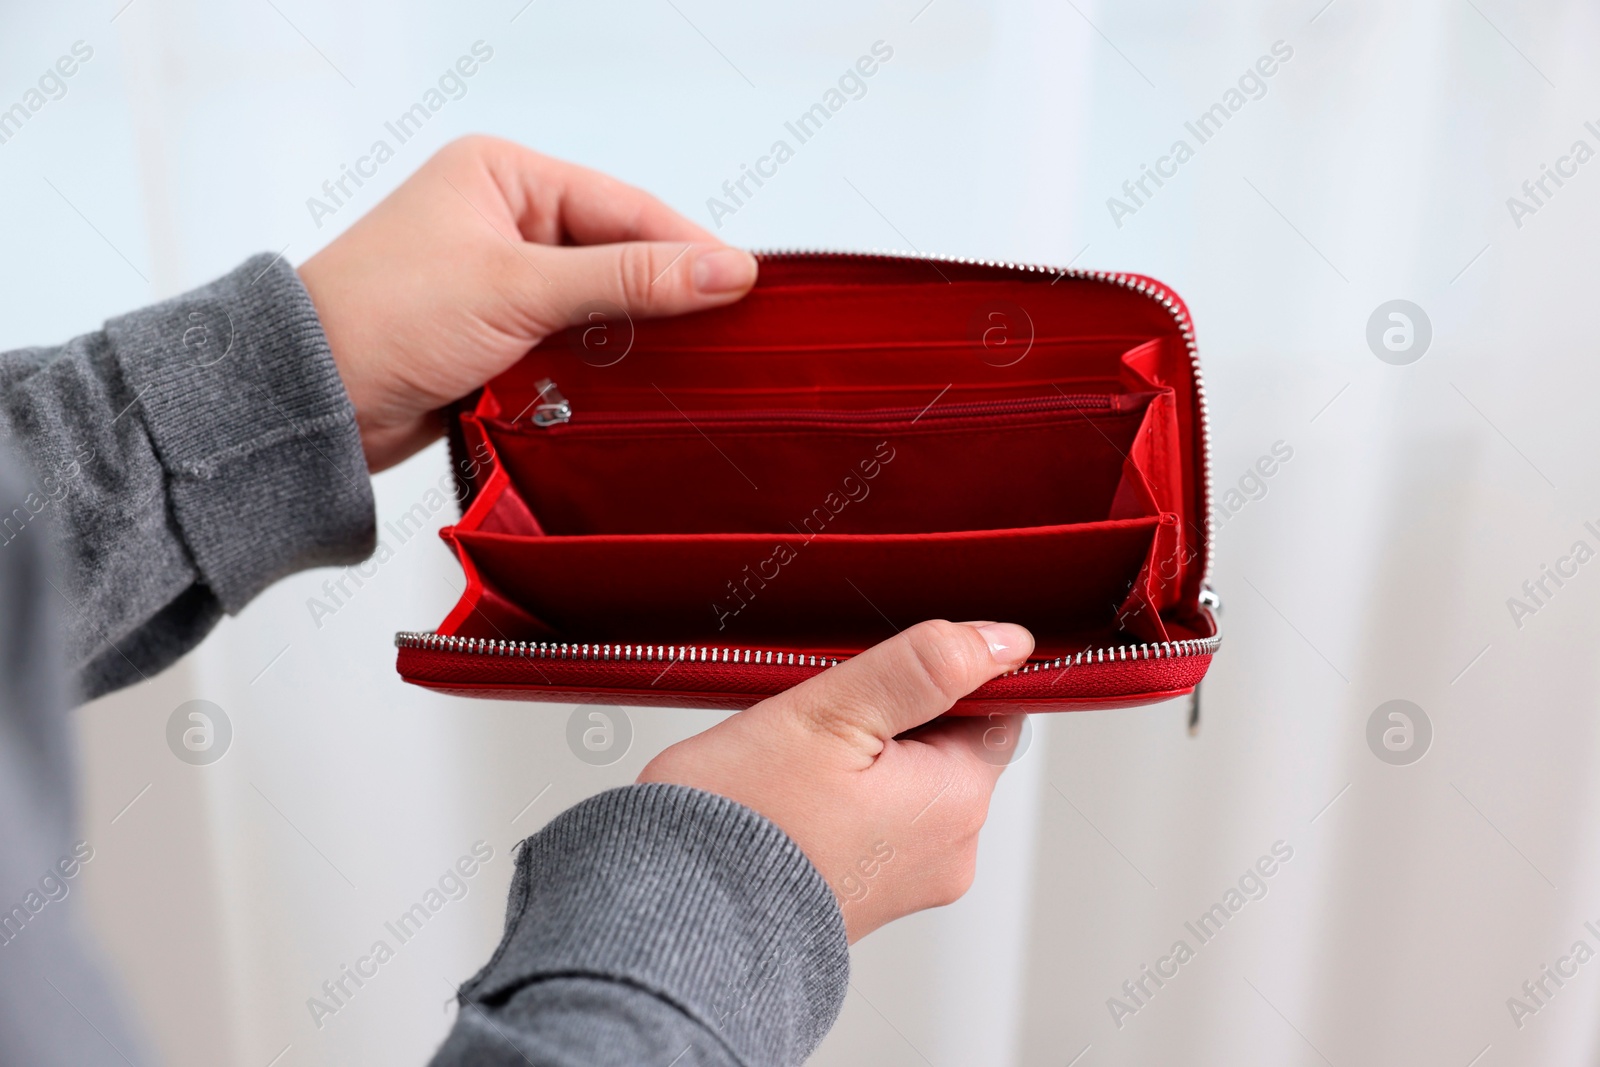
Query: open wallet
[{"x": 706, "y": 510}]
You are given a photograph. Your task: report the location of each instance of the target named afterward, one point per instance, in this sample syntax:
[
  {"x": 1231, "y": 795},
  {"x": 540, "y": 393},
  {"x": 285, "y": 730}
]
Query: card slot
[
  {"x": 835, "y": 591},
  {"x": 918, "y": 392},
  {"x": 776, "y": 413},
  {"x": 917, "y": 476},
  {"x": 933, "y": 309},
  {"x": 1011, "y": 362},
  {"x": 1119, "y": 341},
  {"x": 925, "y": 310}
]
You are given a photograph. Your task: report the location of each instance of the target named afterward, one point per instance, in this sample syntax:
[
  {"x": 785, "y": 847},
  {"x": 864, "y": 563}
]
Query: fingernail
[
  {"x": 724, "y": 270},
  {"x": 1008, "y": 643}
]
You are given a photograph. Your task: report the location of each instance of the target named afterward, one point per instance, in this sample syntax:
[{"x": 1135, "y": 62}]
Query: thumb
[
  {"x": 645, "y": 278},
  {"x": 907, "y": 680}
]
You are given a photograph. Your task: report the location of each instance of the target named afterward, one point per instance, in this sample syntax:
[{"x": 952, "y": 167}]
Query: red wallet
[{"x": 706, "y": 510}]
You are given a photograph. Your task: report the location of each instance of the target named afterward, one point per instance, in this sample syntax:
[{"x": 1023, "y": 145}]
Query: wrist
[{"x": 387, "y": 436}]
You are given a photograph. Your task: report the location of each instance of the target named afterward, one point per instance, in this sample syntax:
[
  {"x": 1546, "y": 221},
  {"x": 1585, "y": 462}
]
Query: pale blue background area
[{"x": 1377, "y": 566}]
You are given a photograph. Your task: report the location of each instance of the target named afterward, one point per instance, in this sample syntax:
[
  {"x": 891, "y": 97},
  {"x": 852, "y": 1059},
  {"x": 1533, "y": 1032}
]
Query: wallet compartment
[
  {"x": 837, "y": 593},
  {"x": 1043, "y": 460}
]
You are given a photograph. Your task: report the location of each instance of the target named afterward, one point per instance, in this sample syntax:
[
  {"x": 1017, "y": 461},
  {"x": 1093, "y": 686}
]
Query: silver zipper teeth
[
  {"x": 619, "y": 653},
  {"x": 1160, "y": 293},
  {"x": 609, "y": 653}
]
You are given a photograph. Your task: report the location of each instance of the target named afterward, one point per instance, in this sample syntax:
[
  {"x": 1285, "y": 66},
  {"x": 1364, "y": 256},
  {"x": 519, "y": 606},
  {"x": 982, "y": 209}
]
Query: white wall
[{"x": 1377, "y": 566}]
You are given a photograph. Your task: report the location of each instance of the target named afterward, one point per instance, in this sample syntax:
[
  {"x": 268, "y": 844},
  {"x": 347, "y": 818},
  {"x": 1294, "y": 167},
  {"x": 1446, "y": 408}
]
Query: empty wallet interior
[{"x": 856, "y": 446}]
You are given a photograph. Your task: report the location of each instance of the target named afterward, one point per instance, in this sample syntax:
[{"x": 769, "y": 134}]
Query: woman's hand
[
  {"x": 887, "y": 808},
  {"x": 488, "y": 249},
  {"x": 480, "y": 255}
]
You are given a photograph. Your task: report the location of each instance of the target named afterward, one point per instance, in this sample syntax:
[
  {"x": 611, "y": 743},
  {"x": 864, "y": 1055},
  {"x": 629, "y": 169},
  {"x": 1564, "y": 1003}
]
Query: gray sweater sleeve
[
  {"x": 180, "y": 461},
  {"x": 657, "y": 924},
  {"x": 56, "y": 1009},
  {"x": 189, "y": 454}
]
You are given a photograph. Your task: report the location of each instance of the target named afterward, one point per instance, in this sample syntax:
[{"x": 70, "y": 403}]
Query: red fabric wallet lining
[
  {"x": 829, "y": 372},
  {"x": 655, "y": 399},
  {"x": 830, "y": 592},
  {"x": 691, "y": 473},
  {"x": 1080, "y": 524}
]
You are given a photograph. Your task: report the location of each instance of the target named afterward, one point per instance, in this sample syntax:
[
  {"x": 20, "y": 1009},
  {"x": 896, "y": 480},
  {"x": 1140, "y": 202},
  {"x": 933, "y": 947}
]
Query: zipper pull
[
  {"x": 551, "y": 409},
  {"x": 1212, "y": 602}
]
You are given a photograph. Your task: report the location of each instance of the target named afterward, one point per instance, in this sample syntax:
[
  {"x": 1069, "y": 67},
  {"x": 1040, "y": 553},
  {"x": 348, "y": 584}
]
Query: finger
[
  {"x": 596, "y": 208},
  {"x": 644, "y": 278},
  {"x": 985, "y": 745},
  {"x": 556, "y": 202},
  {"x": 909, "y": 679}
]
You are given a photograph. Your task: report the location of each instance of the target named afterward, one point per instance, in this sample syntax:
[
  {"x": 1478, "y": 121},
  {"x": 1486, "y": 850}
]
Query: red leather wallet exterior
[{"x": 704, "y": 511}]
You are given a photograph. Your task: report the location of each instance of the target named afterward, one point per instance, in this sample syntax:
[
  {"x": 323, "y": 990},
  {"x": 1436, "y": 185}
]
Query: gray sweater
[{"x": 167, "y": 469}]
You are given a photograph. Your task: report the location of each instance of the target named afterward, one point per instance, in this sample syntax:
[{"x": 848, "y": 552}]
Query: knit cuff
[
  {"x": 689, "y": 896},
  {"x": 238, "y": 390}
]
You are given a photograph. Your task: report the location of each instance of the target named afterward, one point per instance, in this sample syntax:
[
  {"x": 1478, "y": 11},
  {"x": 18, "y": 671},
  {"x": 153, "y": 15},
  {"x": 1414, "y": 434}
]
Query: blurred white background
[{"x": 1377, "y": 565}]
